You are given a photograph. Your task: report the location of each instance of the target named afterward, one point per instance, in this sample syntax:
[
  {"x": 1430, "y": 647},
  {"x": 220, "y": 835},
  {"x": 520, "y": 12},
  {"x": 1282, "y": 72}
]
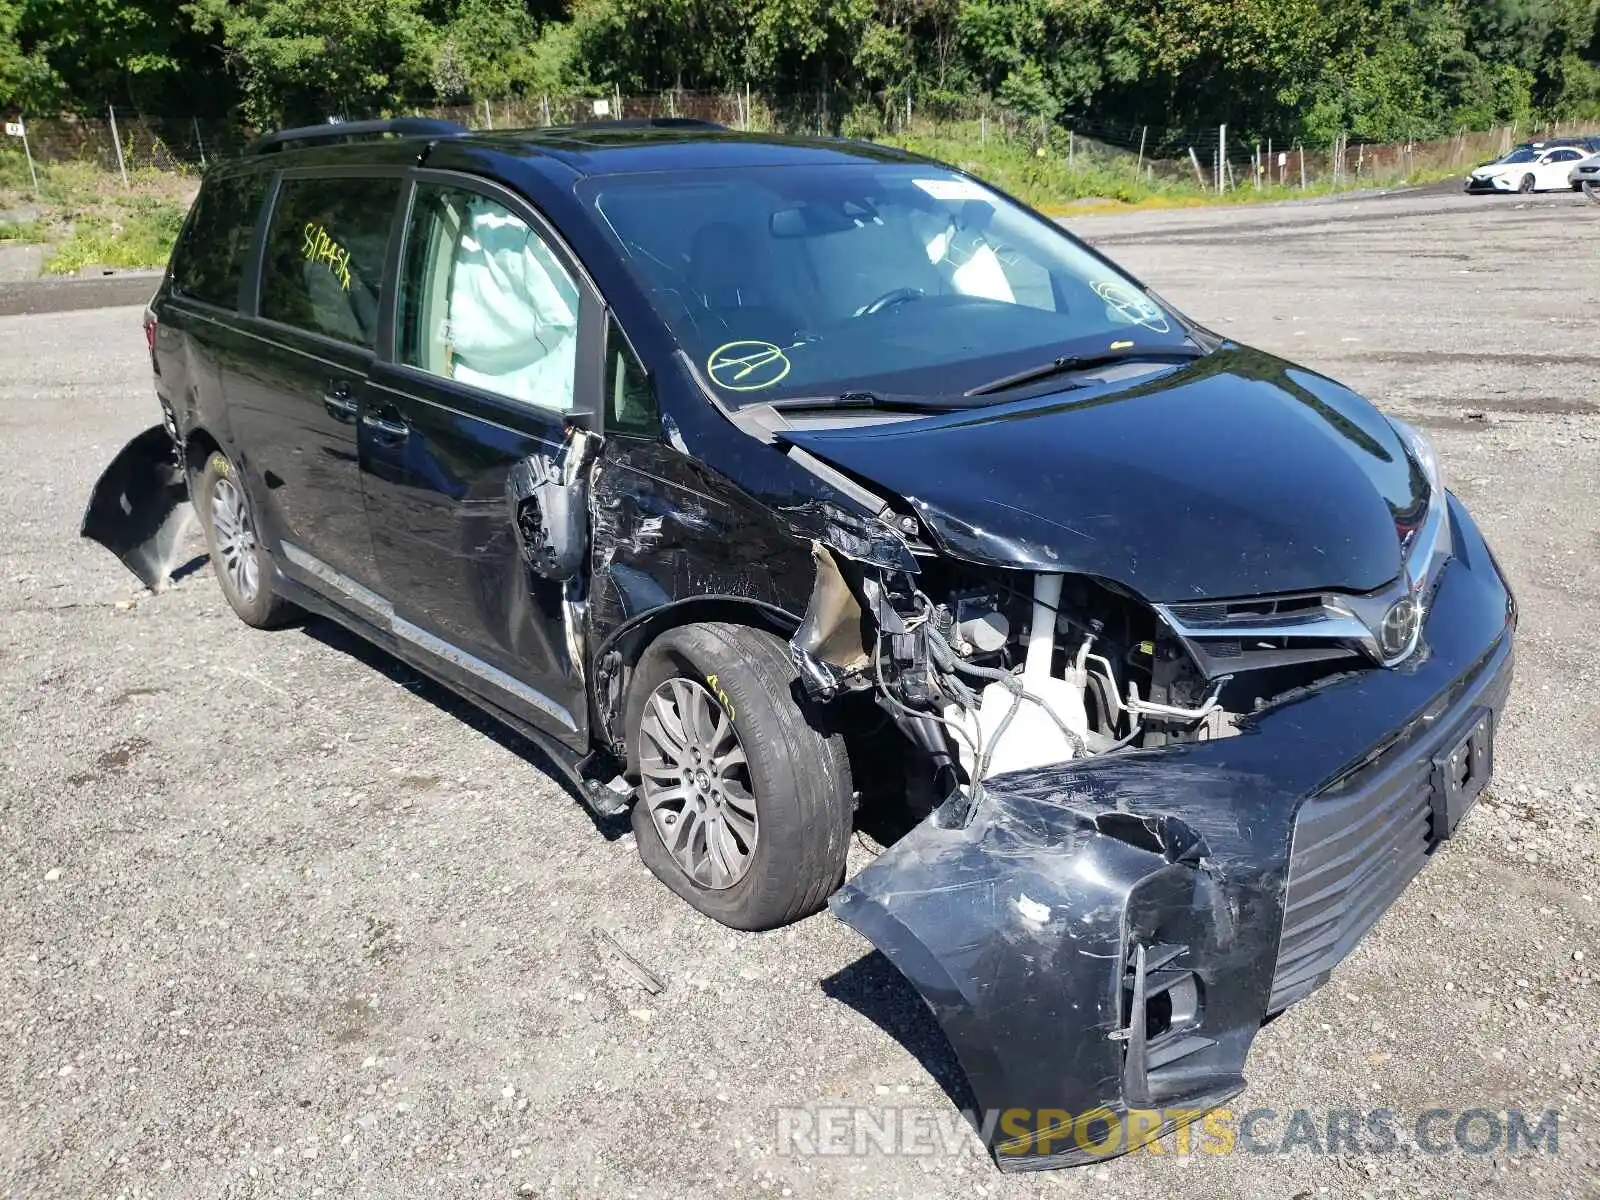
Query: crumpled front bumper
[{"x": 1108, "y": 936}]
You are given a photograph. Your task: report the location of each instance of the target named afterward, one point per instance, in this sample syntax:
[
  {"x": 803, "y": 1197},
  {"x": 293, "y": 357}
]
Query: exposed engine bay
[{"x": 989, "y": 672}]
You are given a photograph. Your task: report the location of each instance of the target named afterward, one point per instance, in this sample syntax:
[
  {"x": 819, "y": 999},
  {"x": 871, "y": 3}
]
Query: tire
[
  {"x": 1526, "y": 186},
  {"x": 794, "y": 778},
  {"x": 241, "y": 562}
]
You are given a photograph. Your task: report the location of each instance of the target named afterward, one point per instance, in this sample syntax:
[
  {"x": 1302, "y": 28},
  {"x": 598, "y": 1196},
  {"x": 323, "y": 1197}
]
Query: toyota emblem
[{"x": 1399, "y": 628}]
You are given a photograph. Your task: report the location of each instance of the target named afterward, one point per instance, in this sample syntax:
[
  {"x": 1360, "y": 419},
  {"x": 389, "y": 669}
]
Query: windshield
[
  {"x": 1525, "y": 155},
  {"x": 897, "y": 279}
]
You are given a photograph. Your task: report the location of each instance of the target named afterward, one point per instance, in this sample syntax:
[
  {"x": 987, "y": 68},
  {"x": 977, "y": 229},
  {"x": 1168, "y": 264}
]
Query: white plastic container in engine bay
[{"x": 1048, "y": 722}]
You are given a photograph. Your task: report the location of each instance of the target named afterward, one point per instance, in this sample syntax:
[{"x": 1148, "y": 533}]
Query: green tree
[{"x": 306, "y": 60}]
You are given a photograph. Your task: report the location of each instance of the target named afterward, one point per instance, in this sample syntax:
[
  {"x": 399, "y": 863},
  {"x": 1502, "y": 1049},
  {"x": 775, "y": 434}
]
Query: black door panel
[
  {"x": 295, "y": 410},
  {"x": 441, "y": 525}
]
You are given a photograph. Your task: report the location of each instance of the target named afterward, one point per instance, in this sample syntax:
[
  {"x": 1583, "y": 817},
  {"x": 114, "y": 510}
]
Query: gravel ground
[{"x": 280, "y": 918}]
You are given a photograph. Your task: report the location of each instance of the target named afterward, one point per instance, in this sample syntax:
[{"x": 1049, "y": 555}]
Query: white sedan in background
[{"x": 1528, "y": 169}]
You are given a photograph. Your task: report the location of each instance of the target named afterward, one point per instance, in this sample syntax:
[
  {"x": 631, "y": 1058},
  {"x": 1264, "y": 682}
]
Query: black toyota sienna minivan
[{"x": 772, "y": 483}]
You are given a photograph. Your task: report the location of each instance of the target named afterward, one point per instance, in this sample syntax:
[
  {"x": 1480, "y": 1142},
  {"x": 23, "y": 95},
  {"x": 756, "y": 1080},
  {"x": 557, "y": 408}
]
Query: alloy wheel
[
  {"x": 235, "y": 538},
  {"x": 696, "y": 783}
]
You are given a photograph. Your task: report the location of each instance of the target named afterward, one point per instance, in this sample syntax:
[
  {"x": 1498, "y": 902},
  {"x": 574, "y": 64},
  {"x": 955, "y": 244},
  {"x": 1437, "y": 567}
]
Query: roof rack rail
[
  {"x": 652, "y": 123},
  {"x": 338, "y": 131}
]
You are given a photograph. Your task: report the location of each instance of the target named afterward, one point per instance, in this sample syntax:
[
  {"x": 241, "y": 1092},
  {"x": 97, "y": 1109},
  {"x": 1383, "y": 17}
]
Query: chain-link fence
[{"x": 966, "y": 131}]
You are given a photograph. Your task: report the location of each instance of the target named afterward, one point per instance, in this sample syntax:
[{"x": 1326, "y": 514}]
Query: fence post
[
  {"x": 199, "y": 141},
  {"x": 117, "y": 141},
  {"x": 544, "y": 107},
  {"x": 1302, "y": 166},
  {"x": 747, "y": 106},
  {"x": 488, "y": 115},
  {"x": 27, "y": 153},
  {"x": 1142, "y": 132},
  {"x": 1072, "y": 140},
  {"x": 1199, "y": 175},
  {"x": 1222, "y": 156}
]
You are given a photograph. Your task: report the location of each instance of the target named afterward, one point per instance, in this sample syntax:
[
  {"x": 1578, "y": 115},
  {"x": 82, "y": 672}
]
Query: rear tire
[
  {"x": 745, "y": 799},
  {"x": 1526, "y": 186},
  {"x": 243, "y": 566}
]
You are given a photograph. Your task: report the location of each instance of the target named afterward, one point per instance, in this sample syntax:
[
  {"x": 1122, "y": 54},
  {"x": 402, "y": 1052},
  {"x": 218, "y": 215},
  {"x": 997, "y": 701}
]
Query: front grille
[{"x": 1353, "y": 853}]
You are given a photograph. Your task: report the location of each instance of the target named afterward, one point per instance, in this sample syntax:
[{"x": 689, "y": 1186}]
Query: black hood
[{"x": 1235, "y": 475}]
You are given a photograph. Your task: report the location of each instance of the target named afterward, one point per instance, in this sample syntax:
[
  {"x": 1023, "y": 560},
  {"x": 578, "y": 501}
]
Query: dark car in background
[{"x": 773, "y": 484}]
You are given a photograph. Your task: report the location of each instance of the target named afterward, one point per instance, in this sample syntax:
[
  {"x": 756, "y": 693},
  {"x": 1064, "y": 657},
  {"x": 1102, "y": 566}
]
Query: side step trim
[{"x": 381, "y": 612}]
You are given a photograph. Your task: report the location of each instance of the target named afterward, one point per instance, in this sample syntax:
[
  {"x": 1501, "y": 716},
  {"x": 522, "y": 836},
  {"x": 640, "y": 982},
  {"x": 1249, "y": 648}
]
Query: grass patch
[
  {"x": 14, "y": 233},
  {"x": 137, "y": 232}
]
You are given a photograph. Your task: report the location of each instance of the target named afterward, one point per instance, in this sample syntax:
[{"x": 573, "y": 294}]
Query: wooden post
[
  {"x": 1270, "y": 162},
  {"x": 488, "y": 116},
  {"x": 747, "y": 106},
  {"x": 1072, "y": 139},
  {"x": 616, "y": 90},
  {"x": 1144, "y": 130},
  {"x": 198, "y": 141},
  {"x": 1302, "y": 166},
  {"x": 1222, "y": 155},
  {"x": 544, "y": 107},
  {"x": 122, "y": 164},
  {"x": 1199, "y": 175}
]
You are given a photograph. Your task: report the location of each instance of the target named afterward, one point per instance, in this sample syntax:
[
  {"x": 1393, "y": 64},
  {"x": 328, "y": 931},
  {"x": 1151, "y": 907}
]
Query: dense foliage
[{"x": 1378, "y": 69}]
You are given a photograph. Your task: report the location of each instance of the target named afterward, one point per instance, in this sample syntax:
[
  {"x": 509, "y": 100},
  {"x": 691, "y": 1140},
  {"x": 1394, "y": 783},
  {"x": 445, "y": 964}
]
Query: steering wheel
[{"x": 889, "y": 299}]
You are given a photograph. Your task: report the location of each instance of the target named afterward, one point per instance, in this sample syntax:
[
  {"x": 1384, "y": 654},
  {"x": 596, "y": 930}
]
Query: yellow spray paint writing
[
  {"x": 722, "y": 696},
  {"x": 318, "y": 245}
]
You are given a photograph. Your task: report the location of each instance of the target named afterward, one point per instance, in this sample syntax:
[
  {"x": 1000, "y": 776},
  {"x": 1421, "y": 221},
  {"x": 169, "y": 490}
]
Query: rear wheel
[
  {"x": 1527, "y": 184},
  {"x": 744, "y": 801},
  {"x": 243, "y": 567}
]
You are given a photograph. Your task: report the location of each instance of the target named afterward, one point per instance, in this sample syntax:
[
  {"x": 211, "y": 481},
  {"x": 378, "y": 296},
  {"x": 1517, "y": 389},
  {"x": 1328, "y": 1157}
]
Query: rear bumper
[
  {"x": 1107, "y": 937},
  {"x": 139, "y": 508}
]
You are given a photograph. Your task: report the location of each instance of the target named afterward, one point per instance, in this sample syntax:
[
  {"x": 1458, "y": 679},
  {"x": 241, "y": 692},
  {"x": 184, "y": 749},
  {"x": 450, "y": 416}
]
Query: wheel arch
[{"x": 618, "y": 655}]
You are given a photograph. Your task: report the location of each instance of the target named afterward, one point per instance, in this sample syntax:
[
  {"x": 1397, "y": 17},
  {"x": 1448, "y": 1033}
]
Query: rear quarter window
[
  {"x": 323, "y": 270},
  {"x": 210, "y": 259}
]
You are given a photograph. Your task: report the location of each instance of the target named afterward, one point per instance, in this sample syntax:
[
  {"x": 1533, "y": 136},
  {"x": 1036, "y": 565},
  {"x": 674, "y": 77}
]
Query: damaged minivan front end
[{"x": 1152, "y": 822}]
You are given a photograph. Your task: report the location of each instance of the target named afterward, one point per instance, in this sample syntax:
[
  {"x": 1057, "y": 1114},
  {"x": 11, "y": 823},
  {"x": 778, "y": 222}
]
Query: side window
[
  {"x": 209, "y": 262},
  {"x": 485, "y": 301},
  {"x": 630, "y": 400},
  {"x": 323, "y": 270}
]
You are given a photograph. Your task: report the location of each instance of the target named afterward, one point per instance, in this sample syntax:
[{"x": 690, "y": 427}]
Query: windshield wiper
[
  {"x": 1068, "y": 363},
  {"x": 864, "y": 399}
]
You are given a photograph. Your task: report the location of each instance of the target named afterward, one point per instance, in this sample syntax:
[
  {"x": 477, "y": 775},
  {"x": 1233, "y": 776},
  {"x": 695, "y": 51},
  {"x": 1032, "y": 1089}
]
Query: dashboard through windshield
[{"x": 904, "y": 279}]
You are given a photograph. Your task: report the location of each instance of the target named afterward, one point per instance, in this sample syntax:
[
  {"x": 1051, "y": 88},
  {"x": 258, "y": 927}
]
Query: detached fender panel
[{"x": 139, "y": 509}]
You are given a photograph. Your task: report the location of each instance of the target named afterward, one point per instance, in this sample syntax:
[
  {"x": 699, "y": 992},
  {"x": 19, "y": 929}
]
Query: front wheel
[
  {"x": 1527, "y": 185},
  {"x": 744, "y": 799},
  {"x": 243, "y": 567}
]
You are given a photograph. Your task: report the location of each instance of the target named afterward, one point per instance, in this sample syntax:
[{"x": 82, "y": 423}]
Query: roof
[
  {"x": 600, "y": 148},
  {"x": 621, "y": 147}
]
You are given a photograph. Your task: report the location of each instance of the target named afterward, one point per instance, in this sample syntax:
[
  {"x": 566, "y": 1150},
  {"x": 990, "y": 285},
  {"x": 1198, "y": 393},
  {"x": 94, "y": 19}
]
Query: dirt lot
[{"x": 279, "y": 918}]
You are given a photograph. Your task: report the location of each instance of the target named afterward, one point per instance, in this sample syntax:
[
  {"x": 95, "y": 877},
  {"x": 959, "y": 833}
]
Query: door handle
[
  {"x": 396, "y": 430},
  {"x": 340, "y": 401}
]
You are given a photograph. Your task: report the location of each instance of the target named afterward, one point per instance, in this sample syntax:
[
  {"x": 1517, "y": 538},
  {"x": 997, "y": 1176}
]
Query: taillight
[{"x": 150, "y": 338}]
